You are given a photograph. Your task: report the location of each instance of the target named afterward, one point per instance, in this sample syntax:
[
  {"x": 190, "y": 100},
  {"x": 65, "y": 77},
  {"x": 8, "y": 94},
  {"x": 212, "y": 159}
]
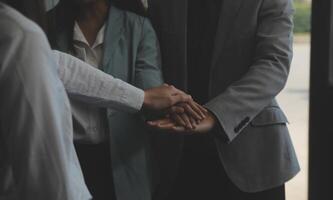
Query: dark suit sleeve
[
  {"x": 148, "y": 72},
  {"x": 244, "y": 99}
]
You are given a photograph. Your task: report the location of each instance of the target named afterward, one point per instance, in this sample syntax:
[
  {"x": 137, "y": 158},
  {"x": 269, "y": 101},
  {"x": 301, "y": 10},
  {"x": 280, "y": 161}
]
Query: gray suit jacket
[
  {"x": 131, "y": 53},
  {"x": 250, "y": 66}
]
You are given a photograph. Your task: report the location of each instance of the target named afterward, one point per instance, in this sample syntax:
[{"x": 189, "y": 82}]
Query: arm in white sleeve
[{"x": 89, "y": 84}]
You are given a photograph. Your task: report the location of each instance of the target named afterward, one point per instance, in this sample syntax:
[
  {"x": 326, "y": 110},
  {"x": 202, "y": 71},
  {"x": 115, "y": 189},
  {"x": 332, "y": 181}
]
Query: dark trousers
[
  {"x": 95, "y": 162},
  {"x": 202, "y": 177}
]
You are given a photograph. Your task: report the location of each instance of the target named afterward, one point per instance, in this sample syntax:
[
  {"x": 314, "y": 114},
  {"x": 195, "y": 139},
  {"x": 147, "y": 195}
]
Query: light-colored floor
[{"x": 294, "y": 100}]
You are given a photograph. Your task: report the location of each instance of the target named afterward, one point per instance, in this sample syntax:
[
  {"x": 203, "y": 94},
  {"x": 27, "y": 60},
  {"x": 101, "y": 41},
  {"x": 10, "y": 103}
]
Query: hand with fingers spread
[
  {"x": 187, "y": 114},
  {"x": 177, "y": 123},
  {"x": 164, "y": 97}
]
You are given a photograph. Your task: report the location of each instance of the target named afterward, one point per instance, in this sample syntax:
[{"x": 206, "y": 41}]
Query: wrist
[
  {"x": 211, "y": 117},
  {"x": 212, "y": 121},
  {"x": 146, "y": 100}
]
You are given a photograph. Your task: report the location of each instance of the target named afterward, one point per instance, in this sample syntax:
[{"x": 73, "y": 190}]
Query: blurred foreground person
[{"x": 37, "y": 156}]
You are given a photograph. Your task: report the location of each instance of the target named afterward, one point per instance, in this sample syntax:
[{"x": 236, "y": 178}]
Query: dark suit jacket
[{"x": 250, "y": 66}]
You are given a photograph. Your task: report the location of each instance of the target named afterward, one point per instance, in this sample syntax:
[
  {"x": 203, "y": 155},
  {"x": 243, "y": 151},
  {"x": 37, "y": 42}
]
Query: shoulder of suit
[{"x": 133, "y": 18}]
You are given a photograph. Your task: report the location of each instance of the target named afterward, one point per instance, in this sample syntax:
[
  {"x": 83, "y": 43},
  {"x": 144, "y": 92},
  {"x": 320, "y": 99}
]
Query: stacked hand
[
  {"x": 164, "y": 97},
  {"x": 183, "y": 115}
]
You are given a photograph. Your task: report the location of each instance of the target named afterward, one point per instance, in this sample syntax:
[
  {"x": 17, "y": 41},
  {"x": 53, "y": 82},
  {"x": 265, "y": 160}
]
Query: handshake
[{"x": 181, "y": 113}]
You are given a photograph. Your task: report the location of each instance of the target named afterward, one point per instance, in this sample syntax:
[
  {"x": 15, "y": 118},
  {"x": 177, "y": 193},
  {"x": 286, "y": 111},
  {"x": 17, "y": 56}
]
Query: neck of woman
[{"x": 91, "y": 17}]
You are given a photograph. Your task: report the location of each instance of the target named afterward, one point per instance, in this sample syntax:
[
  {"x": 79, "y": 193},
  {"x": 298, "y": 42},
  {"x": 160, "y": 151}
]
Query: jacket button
[
  {"x": 242, "y": 124},
  {"x": 237, "y": 129}
]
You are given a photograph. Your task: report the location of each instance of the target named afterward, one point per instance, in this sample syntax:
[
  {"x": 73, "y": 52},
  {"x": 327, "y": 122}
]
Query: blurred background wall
[{"x": 295, "y": 97}]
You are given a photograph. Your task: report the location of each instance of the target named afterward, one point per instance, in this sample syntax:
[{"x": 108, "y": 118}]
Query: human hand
[
  {"x": 164, "y": 97},
  {"x": 187, "y": 114},
  {"x": 171, "y": 126}
]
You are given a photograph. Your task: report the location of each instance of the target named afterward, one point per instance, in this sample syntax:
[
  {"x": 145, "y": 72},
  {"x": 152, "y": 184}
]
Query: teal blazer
[{"x": 131, "y": 53}]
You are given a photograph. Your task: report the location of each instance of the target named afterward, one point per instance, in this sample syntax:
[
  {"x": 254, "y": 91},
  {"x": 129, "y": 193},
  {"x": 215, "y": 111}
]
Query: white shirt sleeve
[{"x": 88, "y": 84}]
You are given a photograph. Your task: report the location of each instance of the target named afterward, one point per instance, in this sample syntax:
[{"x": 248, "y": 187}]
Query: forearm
[
  {"x": 88, "y": 84},
  {"x": 266, "y": 77}
]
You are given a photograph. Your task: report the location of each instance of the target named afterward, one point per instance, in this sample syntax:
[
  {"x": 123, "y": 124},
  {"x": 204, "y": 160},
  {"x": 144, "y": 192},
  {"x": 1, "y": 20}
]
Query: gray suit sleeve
[
  {"x": 148, "y": 73},
  {"x": 244, "y": 99},
  {"x": 90, "y": 85}
]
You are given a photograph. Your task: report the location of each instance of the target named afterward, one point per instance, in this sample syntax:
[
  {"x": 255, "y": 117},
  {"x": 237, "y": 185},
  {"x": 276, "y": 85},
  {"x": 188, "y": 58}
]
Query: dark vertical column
[
  {"x": 169, "y": 18},
  {"x": 321, "y": 103}
]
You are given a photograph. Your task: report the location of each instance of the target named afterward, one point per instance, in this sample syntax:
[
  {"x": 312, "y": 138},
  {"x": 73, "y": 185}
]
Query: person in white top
[
  {"x": 37, "y": 157},
  {"x": 114, "y": 148}
]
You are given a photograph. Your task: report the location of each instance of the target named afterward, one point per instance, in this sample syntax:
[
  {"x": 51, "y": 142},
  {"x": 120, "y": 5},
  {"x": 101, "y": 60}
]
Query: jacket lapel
[
  {"x": 113, "y": 33},
  {"x": 229, "y": 11}
]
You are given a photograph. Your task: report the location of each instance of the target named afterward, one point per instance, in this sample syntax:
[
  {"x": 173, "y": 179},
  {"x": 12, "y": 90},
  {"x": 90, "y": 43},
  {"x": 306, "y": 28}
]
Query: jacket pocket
[{"x": 270, "y": 116}]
